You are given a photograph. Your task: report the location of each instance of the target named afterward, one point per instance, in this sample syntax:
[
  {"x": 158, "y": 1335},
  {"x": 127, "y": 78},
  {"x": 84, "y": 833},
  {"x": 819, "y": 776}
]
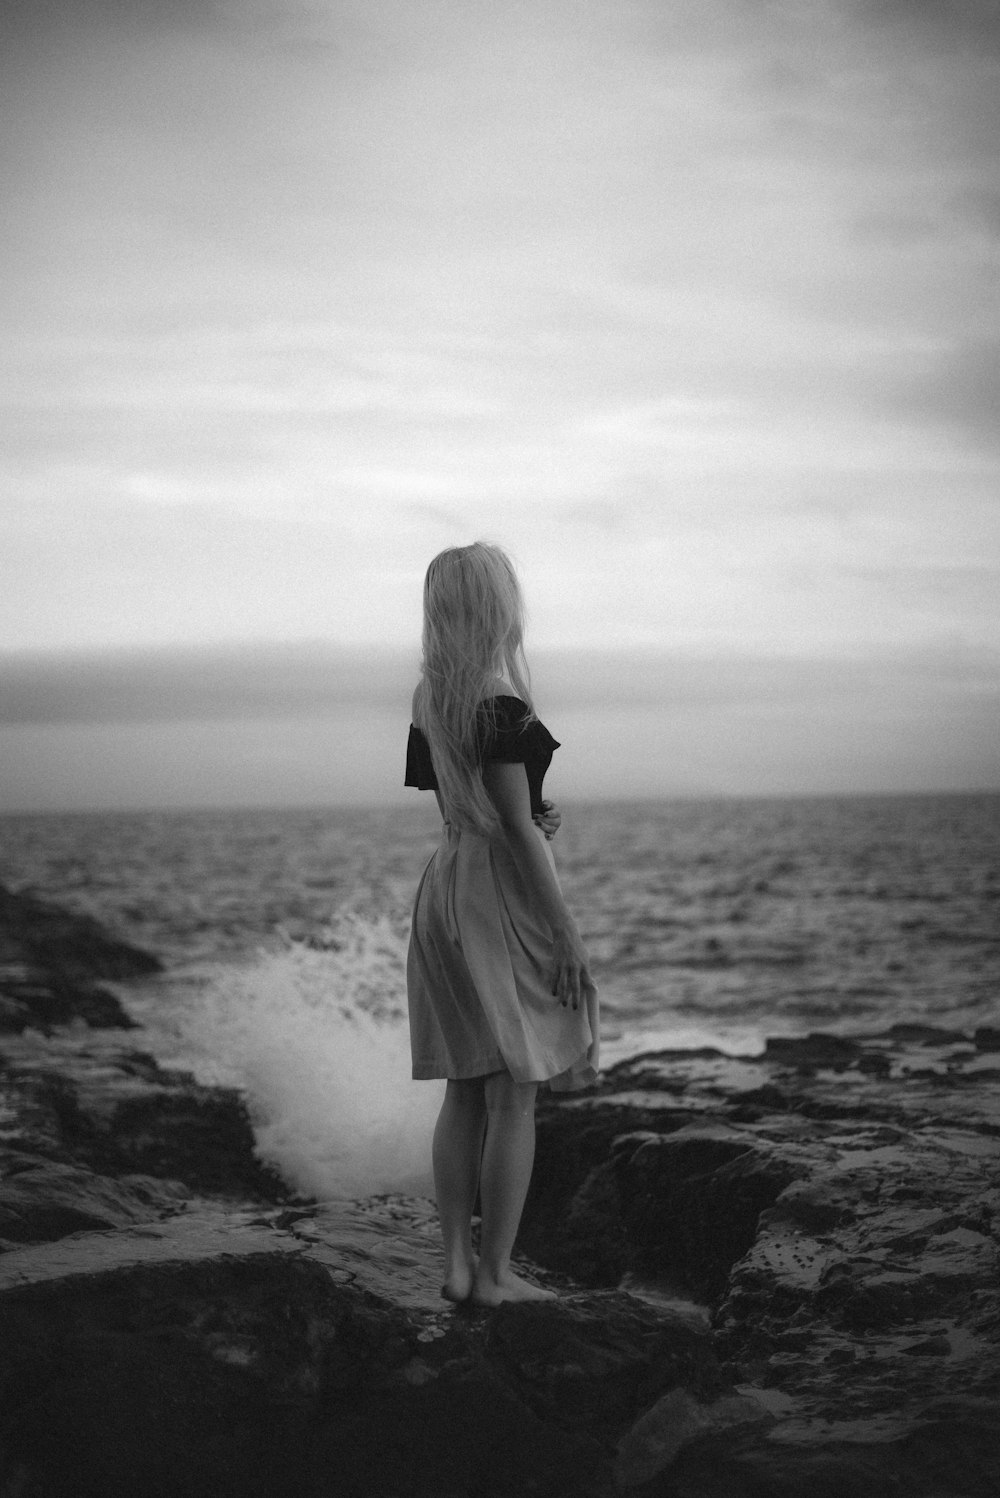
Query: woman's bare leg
[
  {"x": 504, "y": 1177},
  {"x": 457, "y": 1150}
]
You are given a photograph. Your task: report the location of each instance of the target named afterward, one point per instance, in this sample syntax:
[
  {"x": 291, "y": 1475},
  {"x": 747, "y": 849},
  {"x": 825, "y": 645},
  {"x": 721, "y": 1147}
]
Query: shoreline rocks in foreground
[
  {"x": 49, "y": 961},
  {"x": 836, "y": 1202},
  {"x": 778, "y": 1275}
]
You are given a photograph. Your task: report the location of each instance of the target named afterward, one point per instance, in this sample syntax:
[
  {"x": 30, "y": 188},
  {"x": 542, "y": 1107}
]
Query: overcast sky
[{"x": 693, "y": 306}]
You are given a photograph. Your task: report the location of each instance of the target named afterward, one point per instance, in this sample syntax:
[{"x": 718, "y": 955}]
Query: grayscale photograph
[{"x": 500, "y": 749}]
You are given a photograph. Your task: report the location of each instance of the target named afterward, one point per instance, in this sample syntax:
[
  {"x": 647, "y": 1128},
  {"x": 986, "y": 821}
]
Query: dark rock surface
[
  {"x": 49, "y": 960},
  {"x": 240, "y": 1353},
  {"x": 778, "y": 1277},
  {"x": 836, "y": 1203}
]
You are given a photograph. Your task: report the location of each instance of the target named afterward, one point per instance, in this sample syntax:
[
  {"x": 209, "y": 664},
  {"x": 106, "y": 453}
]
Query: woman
[{"x": 499, "y": 988}]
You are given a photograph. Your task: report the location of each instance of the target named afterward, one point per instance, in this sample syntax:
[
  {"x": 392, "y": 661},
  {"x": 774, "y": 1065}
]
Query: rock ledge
[{"x": 778, "y": 1276}]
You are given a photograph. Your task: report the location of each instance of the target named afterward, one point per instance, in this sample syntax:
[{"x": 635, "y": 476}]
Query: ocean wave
[{"x": 316, "y": 1039}]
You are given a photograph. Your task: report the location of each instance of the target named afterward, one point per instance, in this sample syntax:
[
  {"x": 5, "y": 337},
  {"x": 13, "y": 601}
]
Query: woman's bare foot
[
  {"x": 458, "y": 1281},
  {"x": 489, "y": 1291}
]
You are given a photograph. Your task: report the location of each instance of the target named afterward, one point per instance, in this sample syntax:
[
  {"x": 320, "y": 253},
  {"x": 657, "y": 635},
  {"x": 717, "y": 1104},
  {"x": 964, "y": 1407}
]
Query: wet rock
[
  {"x": 231, "y": 1353},
  {"x": 860, "y": 1276},
  {"x": 875, "y": 1065},
  {"x": 690, "y": 1202},
  {"x": 951, "y": 1457},
  {"x": 787, "y": 1259},
  {"x": 160, "y": 1334},
  {"x": 595, "y": 1363},
  {"x": 813, "y": 1050},
  {"x": 46, "y": 1199},
  {"x": 682, "y": 1204},
  {"x": 81, "y": 1098},
  {"x": 675, "y": 1420},
  {"x": 574, "y": 1206},
  {"x": 766, "y": 1099},
  {"x": 63, "y": 941},
  {"x": 33, "y": 1004},
  {"x": 50, "y": 960},
  {"x": 924, "y": 1035}
]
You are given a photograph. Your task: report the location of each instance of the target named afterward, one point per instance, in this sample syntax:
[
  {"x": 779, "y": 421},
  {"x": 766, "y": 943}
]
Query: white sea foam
[{"x": 316, "y": 1038}]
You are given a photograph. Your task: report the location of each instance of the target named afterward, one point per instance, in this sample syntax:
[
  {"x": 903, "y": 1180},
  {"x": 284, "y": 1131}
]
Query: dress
[{"x": 478, "y": 961}]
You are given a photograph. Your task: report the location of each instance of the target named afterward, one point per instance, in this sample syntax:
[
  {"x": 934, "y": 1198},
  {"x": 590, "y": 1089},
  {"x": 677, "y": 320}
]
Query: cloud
[
  {"x": 979, "y": 206},
  {"x": 681, "y": 682},
  {"x": 690, "y": 305},
  {"x": 956, "y": 386},
  {"x": 957, "y": 24},
  {"x": 287, "y": 680},
  {"x": 197, "y": 684},
  {"x": 899, "y": 227}
]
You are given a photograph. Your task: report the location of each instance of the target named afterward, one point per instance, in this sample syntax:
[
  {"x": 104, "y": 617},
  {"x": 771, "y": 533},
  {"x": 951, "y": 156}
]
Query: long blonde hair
[{"x": 473, "y": 632}]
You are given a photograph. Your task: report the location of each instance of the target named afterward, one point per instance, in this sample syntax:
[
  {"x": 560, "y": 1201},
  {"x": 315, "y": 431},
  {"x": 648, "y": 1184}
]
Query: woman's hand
[
  {"x": 570, "y": 972},
  {"x": 548, "y": 820}
]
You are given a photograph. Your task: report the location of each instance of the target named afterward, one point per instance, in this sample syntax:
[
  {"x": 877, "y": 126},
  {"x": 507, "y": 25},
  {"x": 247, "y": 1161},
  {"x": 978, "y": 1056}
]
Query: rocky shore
[{"x": 778, "y": 1276}]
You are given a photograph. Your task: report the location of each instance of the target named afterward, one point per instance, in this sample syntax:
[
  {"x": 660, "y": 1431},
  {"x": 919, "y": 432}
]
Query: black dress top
[{"x": 504, "y": 735}]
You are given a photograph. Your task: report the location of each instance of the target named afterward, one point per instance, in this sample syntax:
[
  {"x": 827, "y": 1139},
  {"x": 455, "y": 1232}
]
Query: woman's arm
[{"x": 507, "y": 787}]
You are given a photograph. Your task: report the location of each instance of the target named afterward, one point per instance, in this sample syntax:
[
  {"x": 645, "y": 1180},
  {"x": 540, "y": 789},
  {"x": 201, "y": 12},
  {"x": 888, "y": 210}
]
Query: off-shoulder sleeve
[
  {"x": 508, "y": 732},
  {"x": 419, "y": 766}
]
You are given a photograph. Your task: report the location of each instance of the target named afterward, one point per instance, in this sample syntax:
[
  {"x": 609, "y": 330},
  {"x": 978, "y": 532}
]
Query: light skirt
[{"x": 477, "y": 974}]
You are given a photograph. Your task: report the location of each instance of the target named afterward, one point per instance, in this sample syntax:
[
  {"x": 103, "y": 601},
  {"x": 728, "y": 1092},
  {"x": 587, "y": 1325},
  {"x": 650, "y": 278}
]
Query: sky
[{"x": 692, "y": 307}]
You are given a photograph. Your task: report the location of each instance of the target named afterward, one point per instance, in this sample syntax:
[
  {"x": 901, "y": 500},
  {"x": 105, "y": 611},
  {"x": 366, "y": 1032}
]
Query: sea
[{"x": 719, "y": 922}]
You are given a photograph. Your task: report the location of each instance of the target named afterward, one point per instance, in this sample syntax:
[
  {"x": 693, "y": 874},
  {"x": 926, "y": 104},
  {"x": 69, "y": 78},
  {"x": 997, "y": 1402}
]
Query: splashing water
[{"x": 315, "y": 1037}]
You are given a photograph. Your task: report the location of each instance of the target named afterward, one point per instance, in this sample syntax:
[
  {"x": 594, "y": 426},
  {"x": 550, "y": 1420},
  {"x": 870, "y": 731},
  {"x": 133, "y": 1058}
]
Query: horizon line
[{"x": 387, "y": 807}]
